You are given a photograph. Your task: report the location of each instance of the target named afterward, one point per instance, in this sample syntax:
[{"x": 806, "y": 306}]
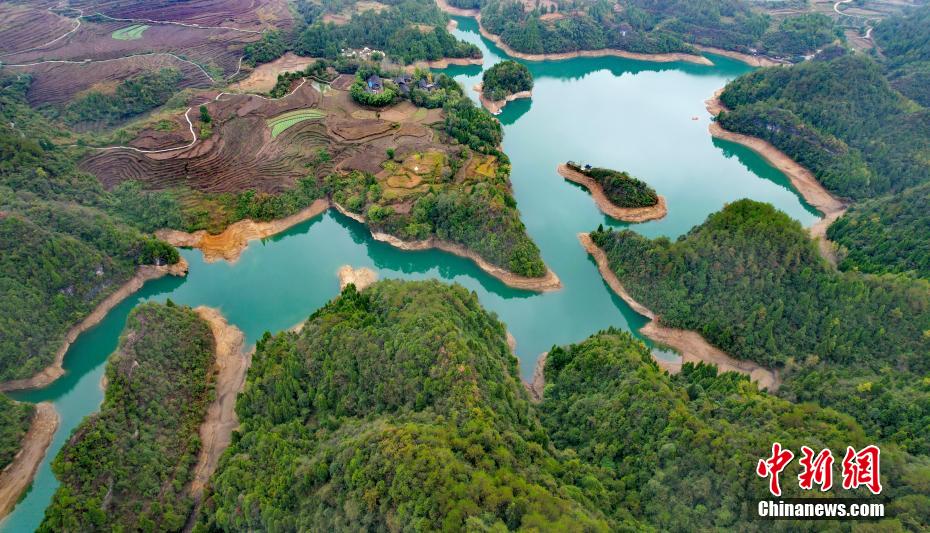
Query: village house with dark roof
[{"x": 375, "y": 85}]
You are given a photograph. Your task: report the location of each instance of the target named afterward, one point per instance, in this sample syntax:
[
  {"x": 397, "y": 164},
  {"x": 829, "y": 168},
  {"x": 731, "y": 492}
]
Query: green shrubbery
[
  {"x": 622, "y": 189},
  {"x": 506, "y": 78},
  {"x": 132, "y": 97},
  {"x": 14, "y": 423}
]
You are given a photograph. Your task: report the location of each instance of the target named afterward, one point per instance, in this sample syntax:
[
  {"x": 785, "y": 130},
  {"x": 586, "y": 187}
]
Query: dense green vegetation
[
  {"x": 400, "y": 407},
  {"x": 128, "y": 467},
  {"x": 406, "y": 31},
  {"x": 14, "y": 423},
  {"x": 888, "y": 234},
  {"x": 905, "y": 46},
  {"x": 751, "y": 281},
  {"x": 272, "y": 45},
  {"x": 506, "y": 78},
  {"x": 473, "y": 126},
  {"x": 677, "y": 452},
  {"x": 620, "y": 188},
  {"x": 65, "y": 243},
  {"x": 650, "y": 26},
  {"x": 370, "y": 97},
  {"x": 132, "y": 97},
  {"x": 840, "y": 118}
]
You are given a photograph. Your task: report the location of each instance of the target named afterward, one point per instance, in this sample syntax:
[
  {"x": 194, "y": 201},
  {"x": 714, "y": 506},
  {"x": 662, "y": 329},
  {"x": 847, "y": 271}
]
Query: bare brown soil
[
  {"x": 230, "y": 367},
  {"x": 627, "y": 214},
  {"x": 265, "y": 76},
  {"x": 801, "y": 178},
  {"x": 229, "y": 244},
  {"x": 495, "y": 106},
  {"x": 692, "y": 346},
  {"x": 360, "y": 277},
  {"x": 452, "y": 10},
  {"x": 549, "y": 282},
  {"x": 248, "y": 14},
  {"x": 55, "y": 370},
  {"x": 537, "y": 384},
  {"x": 749, "y": 59},
  {"x": 25, "y": 26},
  {"x": 17, "y": 476},
  {"x": 445, "y": 62}
]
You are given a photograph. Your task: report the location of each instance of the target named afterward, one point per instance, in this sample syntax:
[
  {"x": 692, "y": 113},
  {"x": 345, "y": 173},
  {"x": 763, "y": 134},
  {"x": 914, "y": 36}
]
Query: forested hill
[
  {"x": 65, "y": 243},
  {"x": 506, "y": 78},
  {"x": 650, "y": 26},
  {"x": 400, "y": 408},
  {"x": 905, "y": 44},
  {"x": 128, "y": 468},
  {"x": 395, "y": 408},
  {"x": 14, "y": 422},
  {"x": 750, "y": 281}
]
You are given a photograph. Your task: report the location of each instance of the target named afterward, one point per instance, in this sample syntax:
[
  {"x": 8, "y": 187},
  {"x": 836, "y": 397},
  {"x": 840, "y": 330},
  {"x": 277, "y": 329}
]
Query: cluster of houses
[{"x": 374, "y": 84}]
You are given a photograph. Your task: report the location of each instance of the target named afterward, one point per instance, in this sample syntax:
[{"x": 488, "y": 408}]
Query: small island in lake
[
  {"x": 504, "y": 82},
  {"x": 616, "y": 193}
]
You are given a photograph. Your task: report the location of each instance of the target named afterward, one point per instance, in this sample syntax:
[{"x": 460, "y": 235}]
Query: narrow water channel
[{"x": 645, "y": 118}]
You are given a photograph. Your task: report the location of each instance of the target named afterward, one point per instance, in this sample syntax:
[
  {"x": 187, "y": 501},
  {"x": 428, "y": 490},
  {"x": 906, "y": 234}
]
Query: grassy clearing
[
  {"x": 130, "y": 33},
  {"x": 284, "y": 121}
]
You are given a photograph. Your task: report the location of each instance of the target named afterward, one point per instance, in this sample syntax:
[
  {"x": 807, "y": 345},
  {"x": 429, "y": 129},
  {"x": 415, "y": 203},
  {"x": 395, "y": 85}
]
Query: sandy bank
[
  {"x": 495, "y": 106},
  {"x": 626, "y": 214},
  {"x": 749, "y": 59},
  {"x": 55, "y": 370},
  {"x": 549, "y": 282},
  {"x": 537, "y": 384},
  {"x": 445, "y": 63},
  {"x": 458, "y": 11},
  {"x": 234, "y": 239},
  {"x": 360, "y": 277},
  {"x": 230, "y": 367},
  {"x": 692, "y": 346},
  {"x": 17, "y": 476},
  {"x": 801, "y": 178}
]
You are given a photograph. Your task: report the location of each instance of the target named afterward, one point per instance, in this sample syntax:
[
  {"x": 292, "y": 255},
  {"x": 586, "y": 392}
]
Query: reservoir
[{"x": 610, "y": 112}]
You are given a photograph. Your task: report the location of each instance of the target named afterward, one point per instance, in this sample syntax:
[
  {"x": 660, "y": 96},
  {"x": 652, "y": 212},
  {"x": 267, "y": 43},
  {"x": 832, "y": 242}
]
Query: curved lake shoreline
[
  {"x": 279, "y": 281},
  {"x": 55, "y": 370},
  {"x": 626, "y": 214},
  {"x": 17, "y": 476},
  {"x": 692, "y": 346},
  {"x": 496, "y": 106}
]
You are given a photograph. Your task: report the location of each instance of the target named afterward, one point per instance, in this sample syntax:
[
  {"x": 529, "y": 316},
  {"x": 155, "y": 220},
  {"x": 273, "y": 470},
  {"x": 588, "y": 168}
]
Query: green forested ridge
[
  {"x": 651, "y": 26},
  {"x": 406, "y": 31},
  {"x": 62, "y": 250},
  {"x": 622, "y": 189},
  {"x": 400, "y": 407},
  {"x": 750, "y": 280},
  {"x": 839, "y": 118},
  {"x": 128, "y": 467},
  {"x": 904, "y": 43},
  {"x": 14, "y": 423},
  {"x": 679, "y": 452},
  {"x": 396, "y": 408},
  {"x": 132, "y": 97},
  {"x": 506, "y": 78},
  {"x": 887, "y": 234}
]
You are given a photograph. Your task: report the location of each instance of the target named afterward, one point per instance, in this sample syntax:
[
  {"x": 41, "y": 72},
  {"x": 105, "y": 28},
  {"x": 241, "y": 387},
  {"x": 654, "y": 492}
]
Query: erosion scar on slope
[
  {"x": 692, "y": 346},
  {"x": 230, "y": 366},
  {"x": 18, "y": 475}
]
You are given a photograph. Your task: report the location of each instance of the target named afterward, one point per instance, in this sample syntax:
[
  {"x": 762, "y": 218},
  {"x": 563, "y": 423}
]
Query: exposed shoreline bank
[
  {"x": 802, "y": 179},
  {"x": 230, "y": 366},
  {"x": 361, "y": 277},
  {"x": 232, "y": 241},
  {"x": 626, "y": 214},
  {"x": 549, "y": 282},
  {"x": 495, "y": 106},
  {"x": 537, "y": 384},
  {"x": 446, "y": 62},
  {"x": 604, "y": 52},
  {"x": 55, "y": 370},
  {"x": 692, "y": 346},
  {"x": 18, "y": 475},
  {"x": 751, "y": 60}
]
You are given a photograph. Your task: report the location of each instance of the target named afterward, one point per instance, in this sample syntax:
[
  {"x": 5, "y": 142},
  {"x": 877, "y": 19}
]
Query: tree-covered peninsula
[
  {"x": 750, "y": 280},
  {"x": 622, "y": 189},
  {"x": 506, "y": 78},
  {"x": 14, "y": 422},
  {"x": 129, "y": 466},
  {"x": 400, "y": 406}
]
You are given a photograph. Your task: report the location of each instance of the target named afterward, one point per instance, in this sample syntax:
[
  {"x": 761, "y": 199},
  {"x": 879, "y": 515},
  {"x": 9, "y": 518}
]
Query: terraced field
[
  {"x": 284, "y": 121},
  {"x": 130, "y": 33}
]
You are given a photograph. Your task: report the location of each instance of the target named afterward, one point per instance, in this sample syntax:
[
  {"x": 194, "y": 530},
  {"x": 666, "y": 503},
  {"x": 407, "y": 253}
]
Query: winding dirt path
[
  {"x": 803, "y": 180},
  {"x": 626, "y": 214},
  {"x": 230, "y": 367},
  {"x": 692, "y": 346},
  {"x": 17, "y": 476},
  {"x": 56, "y": 370}
]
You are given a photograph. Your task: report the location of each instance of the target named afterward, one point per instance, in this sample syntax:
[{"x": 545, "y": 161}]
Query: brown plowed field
[
  {"x": 25, "y": 26},
  {"x": 245, "y": 14}
]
